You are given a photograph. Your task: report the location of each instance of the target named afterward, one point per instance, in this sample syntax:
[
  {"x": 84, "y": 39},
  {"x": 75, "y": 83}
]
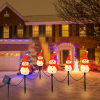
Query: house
[{"x": 18, "y": 32}]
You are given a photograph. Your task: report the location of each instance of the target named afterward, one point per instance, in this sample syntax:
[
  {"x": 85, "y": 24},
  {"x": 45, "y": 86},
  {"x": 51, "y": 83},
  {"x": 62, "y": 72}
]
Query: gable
[{"x": 10, "y": 16}]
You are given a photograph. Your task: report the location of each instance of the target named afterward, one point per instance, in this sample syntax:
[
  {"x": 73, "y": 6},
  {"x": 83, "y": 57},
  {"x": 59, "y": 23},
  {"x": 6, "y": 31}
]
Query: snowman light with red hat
[
  {"x": 85, "y": 63},
  {"x": 52, "y": 67},
  {"x": 68, "y": 66},
  {"x": 40, "y": 60},
  {"x": 25, "y": 67}
]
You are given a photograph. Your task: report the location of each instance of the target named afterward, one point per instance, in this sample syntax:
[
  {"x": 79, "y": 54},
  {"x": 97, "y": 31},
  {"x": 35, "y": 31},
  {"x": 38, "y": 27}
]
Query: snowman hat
[
  {"x": 68, "y": 58},
  {"x": 25, "y": 58},
  {"x": 40, "y": 54},
  {"x": 85, "y": 55},
  {"x": 52, "y": 57}
]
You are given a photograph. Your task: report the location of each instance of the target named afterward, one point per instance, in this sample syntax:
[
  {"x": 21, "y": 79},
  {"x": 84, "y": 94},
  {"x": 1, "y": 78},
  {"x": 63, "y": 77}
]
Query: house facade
[{"x": 18, "y": 32}]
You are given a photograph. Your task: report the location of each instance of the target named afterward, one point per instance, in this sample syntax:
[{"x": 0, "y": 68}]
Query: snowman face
[
  {"x": 24, "y": 71},
  {"x": 52, "y": 62},
  {"x": 68, "y": 67},
  {"x": 68, "y": 62},
  {"x": 84, "y": 68},
  {"x": 25, "y": 63},
  {"x": 85, "y": 61},
  {"x": 40, "y": 57},
  {"x": 51, "y": 69},
  {"x": 40, "y": 63}
]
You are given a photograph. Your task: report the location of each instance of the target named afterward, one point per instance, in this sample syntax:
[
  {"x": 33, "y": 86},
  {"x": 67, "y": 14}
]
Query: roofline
[
  {"x": 14, "y": 10},
  {"x": 49, "y": 22}
]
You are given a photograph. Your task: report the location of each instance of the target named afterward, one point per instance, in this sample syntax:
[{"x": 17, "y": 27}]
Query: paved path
[{"x": 40, "y": 89}]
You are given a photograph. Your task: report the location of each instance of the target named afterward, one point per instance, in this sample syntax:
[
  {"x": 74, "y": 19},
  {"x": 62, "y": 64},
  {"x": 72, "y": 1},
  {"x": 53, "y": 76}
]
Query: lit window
[
  {"x": 82, "y": 30},
  {"x": 65, "y": 30},
  {"x": 97, "y": 56},
  {"x": 6, "y": 32},
  {"x": 35, "y": 32},
  {"x": 48, "y": 30},
  {"x": 96, "y": 30},
  {"x": 20, "y": 31}
]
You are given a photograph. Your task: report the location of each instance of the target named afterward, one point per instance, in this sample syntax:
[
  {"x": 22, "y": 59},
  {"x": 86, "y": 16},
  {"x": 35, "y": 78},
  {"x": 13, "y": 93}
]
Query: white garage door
[{"x": 10, "y": 60}]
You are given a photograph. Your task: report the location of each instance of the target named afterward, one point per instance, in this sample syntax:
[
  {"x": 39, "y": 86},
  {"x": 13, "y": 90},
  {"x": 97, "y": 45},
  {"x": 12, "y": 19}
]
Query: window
[
  {"x": 20, "y": 31},
  {"x": 96, "y": 30},
  {"x": 48, "y": 30},
  {"x": 97, "y": 56},
  {"x": 35, "y": 31},
  {"x": 82, "y": 30},
  {"x": 6, "y": 32},
  {"x": 65, "y": 30}
]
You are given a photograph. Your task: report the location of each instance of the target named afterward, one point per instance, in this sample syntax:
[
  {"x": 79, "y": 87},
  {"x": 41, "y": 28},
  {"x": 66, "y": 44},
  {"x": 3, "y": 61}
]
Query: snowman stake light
[
  {"x": 52, "y": 68},
  {"x": 68, "y": 66},
  {"x": 85, "y": 65},
  {"x": 40, "y": 63},
  {"x": 25, "y": 69}
]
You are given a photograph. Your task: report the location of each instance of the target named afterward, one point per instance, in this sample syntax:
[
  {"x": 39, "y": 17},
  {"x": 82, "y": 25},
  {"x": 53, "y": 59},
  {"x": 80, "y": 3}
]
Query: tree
[{"x": 79, "y": 11}]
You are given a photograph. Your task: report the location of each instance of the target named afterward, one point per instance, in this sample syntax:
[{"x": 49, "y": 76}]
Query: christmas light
[
  {"x": 85, "y": 63},
  {"x": 2, "y": 54},
  {"x": 68, "y": 66},
  {"x": 25, "y": 67},
  {"x": 40, "y": 62},
  {"x": 52, "y": 67}
]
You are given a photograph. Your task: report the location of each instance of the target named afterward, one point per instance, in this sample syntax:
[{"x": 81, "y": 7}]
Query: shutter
[
  {"x": 78, "y": 53},
  {"x": 77, "y": 29},
  {"x": 30, "y": 30},
  {"x": 60, "y": 30},
  {"x": 92, "y": 29},
  {"x": 24, "y": 31},
  {"x": 15, "y": 31},
  {"x": 10, "y": 32},
  {"x": 88, "y": 29},
  {"x": 44, "y": 30},
  {"x": 53, "y": 33},
  {"x": 91, "y": 54},
  {"x": 70, "y": 29},
  {"x": 1, "y": 32},
  {"x": 40, "y": 29}
]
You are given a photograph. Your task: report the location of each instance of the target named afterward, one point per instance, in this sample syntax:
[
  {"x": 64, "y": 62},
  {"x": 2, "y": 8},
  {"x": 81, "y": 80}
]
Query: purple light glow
[{"x": 12, "y": 40}]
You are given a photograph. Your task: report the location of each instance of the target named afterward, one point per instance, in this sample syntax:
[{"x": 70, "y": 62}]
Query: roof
[{"x": 42, "y": 18}]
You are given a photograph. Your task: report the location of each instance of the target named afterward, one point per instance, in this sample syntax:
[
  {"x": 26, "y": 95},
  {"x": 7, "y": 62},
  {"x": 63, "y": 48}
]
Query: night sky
[{"x": 32, "y": 7}]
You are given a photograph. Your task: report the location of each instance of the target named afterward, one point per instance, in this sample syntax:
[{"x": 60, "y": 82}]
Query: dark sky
[{"x": 32, "y": 7}]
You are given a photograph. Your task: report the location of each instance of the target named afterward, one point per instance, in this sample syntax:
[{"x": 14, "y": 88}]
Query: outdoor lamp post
[
  {"x": 85, "y": 67},
  {"x": 52, "y": 68},
  {"x": 40, "y": 63},
  {"x": 68, "y": 66}
]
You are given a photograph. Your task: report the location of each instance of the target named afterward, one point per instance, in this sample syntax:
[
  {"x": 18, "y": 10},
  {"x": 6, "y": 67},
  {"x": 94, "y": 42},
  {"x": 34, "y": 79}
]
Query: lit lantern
[
  {"x": 52, "y": 67},
  {"x": 40, "y": 63},
  {"x": 25, "y": 68},
  {"x": 85, "y": 63},
  {"x": 68, "y": 66}
]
